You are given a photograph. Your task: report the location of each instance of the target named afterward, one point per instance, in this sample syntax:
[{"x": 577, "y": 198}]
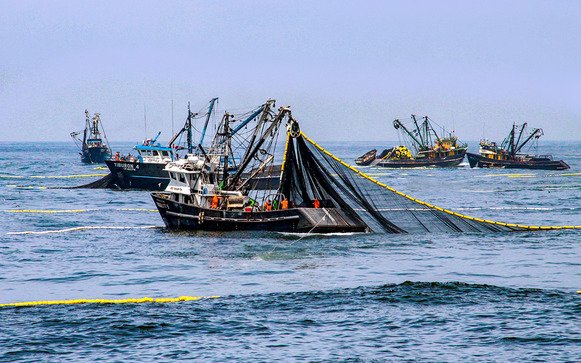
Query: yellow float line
[
  {"x": 510, "y": 225},
  {"x": 109, "y": 301}
]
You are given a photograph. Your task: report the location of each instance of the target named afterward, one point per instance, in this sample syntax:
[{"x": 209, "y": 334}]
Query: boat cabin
[{"x": 154, "y": 153}]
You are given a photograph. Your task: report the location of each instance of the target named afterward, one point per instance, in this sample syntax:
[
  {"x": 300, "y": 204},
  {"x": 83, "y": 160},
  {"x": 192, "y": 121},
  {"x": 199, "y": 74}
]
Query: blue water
[{"x": 439, "y": 297}]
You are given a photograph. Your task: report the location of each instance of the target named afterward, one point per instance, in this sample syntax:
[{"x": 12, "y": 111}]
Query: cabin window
[
  {"x": 155, "y": 153},
  {"x": 182, "y": 178},
  {"x": 165, "y": 153}
]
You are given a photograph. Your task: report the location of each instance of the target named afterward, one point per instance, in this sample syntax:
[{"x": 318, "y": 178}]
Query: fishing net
[{"x": 311, "y": 173}]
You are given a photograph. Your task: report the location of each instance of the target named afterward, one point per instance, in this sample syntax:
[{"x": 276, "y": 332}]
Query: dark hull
[
  {"x": 476, "y": 160},
  {"x": 151, "y": 176},
  {"x": 188, "y": 217},
  {"x": 136, "y": 175},
  {"x": 95, "y": 155},
  {"x": 449, "y": 161}
]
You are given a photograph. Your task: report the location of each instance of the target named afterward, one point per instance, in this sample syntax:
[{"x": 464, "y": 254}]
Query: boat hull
[
  {"x": 189, "y": 217},
  {"x": 152, "y": 176},
  {"x": 479, "y": 161},
  {"x": 446, "y": 162},
  {"x": 137, "y": 175},
  {"x": 95, "y": 155}
]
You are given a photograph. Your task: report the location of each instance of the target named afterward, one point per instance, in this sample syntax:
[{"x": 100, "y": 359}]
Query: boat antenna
[
  {"x": 172, "y": 130},
  {"x": 145, "y": 119}
]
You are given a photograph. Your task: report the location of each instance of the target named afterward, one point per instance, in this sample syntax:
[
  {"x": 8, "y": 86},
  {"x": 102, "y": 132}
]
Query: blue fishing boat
[
  {"x": 146, "y": 169},
  {"x": 94, "y": 148}
]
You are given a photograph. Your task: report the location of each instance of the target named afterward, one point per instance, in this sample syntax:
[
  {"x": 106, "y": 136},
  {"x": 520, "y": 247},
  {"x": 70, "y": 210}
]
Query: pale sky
[{"x": 347, "y": 68}]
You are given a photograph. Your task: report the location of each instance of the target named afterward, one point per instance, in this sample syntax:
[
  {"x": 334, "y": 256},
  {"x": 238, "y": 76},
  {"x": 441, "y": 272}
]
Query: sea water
[{"x": 431, "y": 297}]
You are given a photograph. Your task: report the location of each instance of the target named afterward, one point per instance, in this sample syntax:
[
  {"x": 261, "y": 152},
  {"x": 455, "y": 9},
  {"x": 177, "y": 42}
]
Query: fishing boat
[
  {"x": 429, "y": 148},
  {"x": 94, "y": 149},
  {"x": 145, "y": 170},
  {"x": 508, "y": 154},
  {"x": 202, "y": 194}
]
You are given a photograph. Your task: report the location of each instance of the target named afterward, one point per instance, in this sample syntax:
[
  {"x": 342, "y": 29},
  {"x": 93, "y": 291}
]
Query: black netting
[{"x": 311, "y": 173}]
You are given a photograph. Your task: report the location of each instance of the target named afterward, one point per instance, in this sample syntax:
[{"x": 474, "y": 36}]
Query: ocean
[{"x": 286, "y": 297}]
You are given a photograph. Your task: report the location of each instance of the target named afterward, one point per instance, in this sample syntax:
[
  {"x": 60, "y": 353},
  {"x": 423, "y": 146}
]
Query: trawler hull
[
  {"x": 137, "y": 175},
  {"x": 476, "y": 160},
  {"x": 95, "y": 155},
  {"x": 184, "y": 216},
  {"x": 152, "y": 176},
  {"x": 445, "y": 162}
]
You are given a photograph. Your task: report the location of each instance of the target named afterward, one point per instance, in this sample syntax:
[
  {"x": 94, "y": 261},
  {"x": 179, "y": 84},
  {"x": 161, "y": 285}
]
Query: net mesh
[{"x": 310, "y": 173}]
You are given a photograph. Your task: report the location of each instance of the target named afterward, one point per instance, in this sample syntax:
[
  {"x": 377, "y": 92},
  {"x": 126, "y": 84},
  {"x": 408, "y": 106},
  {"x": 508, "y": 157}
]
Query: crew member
[
  {"x": 215, "y": 201},
  {"x": 267, "y": 205},
  {"x": 316, "y": 203},
  {"x": 284, "y": 204}
]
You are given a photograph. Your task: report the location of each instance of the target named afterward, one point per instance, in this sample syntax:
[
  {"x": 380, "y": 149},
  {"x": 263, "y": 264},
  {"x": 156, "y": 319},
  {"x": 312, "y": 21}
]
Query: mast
[
  {"x": 283, "y": 111},
  {"x": 210, "y": 108},
  {"x": 189, "y": 130},
  {"x": 265, "y": 113},
  {"x": 397, "y": 124},
  {"x": 512, "y": 146},
  {"x": 226, "y": 135},
  {"x": 522, "y": 129},
  {"x": 422, "y": 145},
  {"x": 536, "y": 133},
  {"x": 87, "y": 126}
]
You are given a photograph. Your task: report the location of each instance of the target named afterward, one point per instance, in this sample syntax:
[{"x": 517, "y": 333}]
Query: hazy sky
[{"x": 347, "y": 68}]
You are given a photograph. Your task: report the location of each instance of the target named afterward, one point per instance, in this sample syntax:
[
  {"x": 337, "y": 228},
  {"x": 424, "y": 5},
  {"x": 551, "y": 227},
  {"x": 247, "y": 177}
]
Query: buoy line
[{"x": 158, "y": 300}]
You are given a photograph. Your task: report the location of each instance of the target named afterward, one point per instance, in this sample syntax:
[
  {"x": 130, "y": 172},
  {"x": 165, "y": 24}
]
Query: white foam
[{"x": 82, "y": 228}]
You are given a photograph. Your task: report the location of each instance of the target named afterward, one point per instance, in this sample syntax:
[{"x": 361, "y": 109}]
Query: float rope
[
  {"x": 431, "y": 206},
  {"x": 109, "y": 301}
]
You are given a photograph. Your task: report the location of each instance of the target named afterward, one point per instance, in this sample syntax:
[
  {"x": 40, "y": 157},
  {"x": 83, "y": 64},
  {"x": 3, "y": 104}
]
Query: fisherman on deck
[
  {"x": 284, "y": 204},
  {"x": 215, "y": 201},
  {"x": 117, "y": 158},
  {"x": 316, "y": 203},
  {"x": 268, "y": 205}
]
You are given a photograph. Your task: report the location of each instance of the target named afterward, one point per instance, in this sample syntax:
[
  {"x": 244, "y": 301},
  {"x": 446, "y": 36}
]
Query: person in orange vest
[
  {"x": 267, "y": 205},
  {"x": 117, "y": 158},
  {"x": 284, "y": 204},
  {"x": 316, "y": 203},
  {"x": 215, "y": 201}
]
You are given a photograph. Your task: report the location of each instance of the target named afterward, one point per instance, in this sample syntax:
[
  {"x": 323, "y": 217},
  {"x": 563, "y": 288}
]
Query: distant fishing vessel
[
  {"x": 430, "y": 149},
  {"x": 508, "y": 155},
  {"x": 93, "y": 148},
  {"x": 146, "y": 169}
]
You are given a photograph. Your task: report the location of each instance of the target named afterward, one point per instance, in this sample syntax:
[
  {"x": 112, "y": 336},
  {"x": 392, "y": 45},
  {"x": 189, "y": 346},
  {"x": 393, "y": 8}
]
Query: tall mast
[
  {"x": 422, "y": 145},
  {"x": 210, "y": 108},
  {"x": 397, "y": 124},
  {"x": 87, "y": 126},
  {"x": 227, "y": 145},
  {"x": 432, "y": 129},
  {"x": 189, "y": 130},
  {"x": 522, "y": 129},
  {"x": 283, "y": 111},
  {"x": 512, "y": 146},
  {"x": 536, "y": 133},
  {"x": 265, "y": 109}
]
